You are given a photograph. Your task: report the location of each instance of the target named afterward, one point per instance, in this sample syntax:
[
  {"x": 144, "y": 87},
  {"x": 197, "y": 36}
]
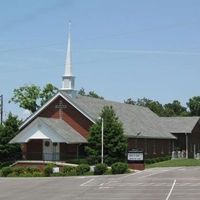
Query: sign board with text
[{"x": 135, "y": 156}]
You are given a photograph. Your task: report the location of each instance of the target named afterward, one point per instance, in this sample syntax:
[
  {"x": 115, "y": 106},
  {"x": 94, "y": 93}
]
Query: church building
[{"x": 58, "y": 130}]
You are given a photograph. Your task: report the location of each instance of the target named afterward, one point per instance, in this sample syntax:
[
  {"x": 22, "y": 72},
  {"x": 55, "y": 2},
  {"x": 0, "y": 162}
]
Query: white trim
[{"x": 49, "y": 102}]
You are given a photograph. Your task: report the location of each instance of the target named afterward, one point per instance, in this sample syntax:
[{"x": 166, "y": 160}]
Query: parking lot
[{"x": 156, "y": 184}]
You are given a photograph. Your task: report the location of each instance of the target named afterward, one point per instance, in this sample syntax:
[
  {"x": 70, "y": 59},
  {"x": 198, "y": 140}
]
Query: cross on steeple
[{"x": 60, "y": 106}]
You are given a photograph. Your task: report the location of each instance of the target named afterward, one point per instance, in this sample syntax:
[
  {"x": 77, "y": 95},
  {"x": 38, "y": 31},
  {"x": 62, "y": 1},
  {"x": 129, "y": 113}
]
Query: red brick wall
[
  {"x": 34, "y": 150},
  {"x": 68, "y": 151},
  {"x": 70, "y": 115}
]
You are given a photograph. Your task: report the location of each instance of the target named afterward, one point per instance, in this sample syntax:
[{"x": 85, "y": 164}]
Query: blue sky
[{"x": 121, "y": 49}]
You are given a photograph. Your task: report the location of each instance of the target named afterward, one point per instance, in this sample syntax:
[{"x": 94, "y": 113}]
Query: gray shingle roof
[
  {"x": 180, "y": 124},
  {"x": 135, "y": 119},
  {"x": 59, "y": 127},
  {"x": 64, "y": 130}
]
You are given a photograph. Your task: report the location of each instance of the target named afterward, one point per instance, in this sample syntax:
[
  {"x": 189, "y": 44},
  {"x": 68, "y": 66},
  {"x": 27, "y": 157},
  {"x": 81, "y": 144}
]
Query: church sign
[{"x": 135, "y": 156}]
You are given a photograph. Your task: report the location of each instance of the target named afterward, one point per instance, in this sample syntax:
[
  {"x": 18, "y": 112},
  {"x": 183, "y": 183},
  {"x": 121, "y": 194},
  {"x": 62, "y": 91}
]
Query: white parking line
[
  {"x": 83, "y": 184},
  {"x": 154, "y": 174},
  {"x": 170, "y": 192},
  {"x": 132, "y": 174}
]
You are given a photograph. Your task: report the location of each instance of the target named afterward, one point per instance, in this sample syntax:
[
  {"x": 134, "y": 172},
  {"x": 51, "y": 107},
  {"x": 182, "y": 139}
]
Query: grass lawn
[{"x": 175, "y": 163}]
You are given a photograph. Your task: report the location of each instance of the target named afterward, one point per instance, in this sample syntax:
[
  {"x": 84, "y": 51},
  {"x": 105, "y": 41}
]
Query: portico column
[{"x": 186, "y": 145}]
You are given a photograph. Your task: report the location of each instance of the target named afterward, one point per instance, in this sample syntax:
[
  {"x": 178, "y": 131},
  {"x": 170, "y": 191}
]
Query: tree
[
  {"x": 154, "y": 106},
  {"x": 8, "y": 130},
  {"x": 82, "y": 92},
  {"x": 48, "y": 91},
  {"x": 175, "y": 109},
  {"x": 130, "y": 101},
  {"x": 92, "y": 94},
  {"x": 115, "y": 143},
  {"x": 194, "y": 106},
  {"x": 31, "y": 97}
]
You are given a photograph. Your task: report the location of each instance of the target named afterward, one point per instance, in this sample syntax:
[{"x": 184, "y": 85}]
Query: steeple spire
[
  {"x": 68, "y": 79},
  {"x": 68, "y": 63}
]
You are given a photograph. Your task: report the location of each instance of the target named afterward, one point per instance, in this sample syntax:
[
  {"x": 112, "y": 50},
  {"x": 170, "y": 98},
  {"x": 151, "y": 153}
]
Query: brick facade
[
  {"x": 151, "y": 147},
  {"x": 33, "y": 150},
  {"x": 70, "y": 115}
]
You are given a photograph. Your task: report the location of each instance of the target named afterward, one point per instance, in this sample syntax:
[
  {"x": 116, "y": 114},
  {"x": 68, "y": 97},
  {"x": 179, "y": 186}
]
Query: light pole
[
  {"x": 102, "y": 133},
  {"x": 102, "y": 140},
  {"x": 1, "y": 107}
]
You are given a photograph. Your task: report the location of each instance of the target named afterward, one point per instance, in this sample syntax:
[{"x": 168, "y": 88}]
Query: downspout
[{"x": 186, "y": 145}]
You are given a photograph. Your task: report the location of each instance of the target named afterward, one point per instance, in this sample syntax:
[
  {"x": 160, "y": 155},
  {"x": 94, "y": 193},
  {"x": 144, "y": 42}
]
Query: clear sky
[{"x": 121, "y": 49}]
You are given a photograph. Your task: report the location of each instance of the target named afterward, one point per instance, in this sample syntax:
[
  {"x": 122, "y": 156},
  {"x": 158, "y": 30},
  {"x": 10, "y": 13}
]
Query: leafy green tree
[
  {"x": 94, "y": 95},
  {"x": 115, "y": 143},
  {"x": 82, "y": 92},
  {"x": 47, "y": 92},
  {"x": 194, "y": 106},
  {"x": 175, "y": 109},
  {"x": 8, "y": 130},
  {"x": 154, "y": 106},
  {"x": 90, "y": 94},
  {"x": 130, "y": 101},
  {"x": 31, "y": 97}
]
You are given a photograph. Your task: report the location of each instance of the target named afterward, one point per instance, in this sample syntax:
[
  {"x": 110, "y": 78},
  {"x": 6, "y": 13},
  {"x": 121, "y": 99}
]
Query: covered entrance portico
[{"x": 49, "y": 140}]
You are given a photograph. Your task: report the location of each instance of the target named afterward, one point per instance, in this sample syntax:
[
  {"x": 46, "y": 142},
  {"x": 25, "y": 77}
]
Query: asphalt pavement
[{"x": 151, "y": 184}]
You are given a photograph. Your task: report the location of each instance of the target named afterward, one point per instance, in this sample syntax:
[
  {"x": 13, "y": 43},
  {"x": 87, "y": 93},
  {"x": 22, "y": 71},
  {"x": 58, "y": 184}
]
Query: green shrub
[
  {"x": 108, "y": 171},
  {"x": 37, "y": 174},
  {"x": 12, "y": 175},
  {"x": 48, "y": 170},
  {"x": 57, "y": 174},
  {"x": 19, "y": 170},
  {"x": 73, "y": 172},
  {"x": 67, "y": 169},
  {"x": 119, "y": 168},
  {"x": 82, "y": 169},
  {"x": 5, "y": 164},
  {"x": 32, "y": 170},
  {"x": 25, "y": 175},
  {"x": 5, "y": 171},
  {"x": 155, "y": 160},
  {"x": 100, "y": 169}
]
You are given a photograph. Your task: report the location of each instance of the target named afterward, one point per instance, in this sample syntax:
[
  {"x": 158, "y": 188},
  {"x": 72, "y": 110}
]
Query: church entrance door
[{"x": 51, "y": 151}]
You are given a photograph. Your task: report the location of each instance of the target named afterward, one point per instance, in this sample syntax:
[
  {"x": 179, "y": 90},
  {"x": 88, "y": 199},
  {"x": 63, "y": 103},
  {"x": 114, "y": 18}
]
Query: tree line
[
  {"x": 172, "y": 109},
  {"x": 32, "y": 97}
]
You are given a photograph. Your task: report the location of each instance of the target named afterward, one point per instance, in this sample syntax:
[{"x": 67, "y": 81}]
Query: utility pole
[{"x": 1, "y": 107}]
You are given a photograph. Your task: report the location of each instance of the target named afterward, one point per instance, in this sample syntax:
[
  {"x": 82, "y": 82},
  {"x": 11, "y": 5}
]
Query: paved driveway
[{"x": 152, "y": 184}]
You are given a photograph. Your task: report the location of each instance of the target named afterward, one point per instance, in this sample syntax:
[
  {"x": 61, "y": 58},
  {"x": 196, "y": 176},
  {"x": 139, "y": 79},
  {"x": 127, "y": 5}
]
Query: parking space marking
[
  {"x": 132, "y": 174},
  {"x": 89, "y": 181},
  {"x": 170, "y": 192},
  {"x": 152, "y": 174}
]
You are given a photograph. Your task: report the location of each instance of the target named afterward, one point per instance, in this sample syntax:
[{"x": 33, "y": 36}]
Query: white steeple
[{"x": 68, "y": 79}]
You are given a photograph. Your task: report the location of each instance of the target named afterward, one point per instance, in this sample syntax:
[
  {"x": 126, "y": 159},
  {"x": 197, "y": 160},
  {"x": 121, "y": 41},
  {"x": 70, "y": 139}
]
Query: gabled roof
[
  {"x": 180, "y": 124},
  {"x": 68, "y": 99},
  {"x": 137, "y": 121},
  {"x": 64, "y": 132}
]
